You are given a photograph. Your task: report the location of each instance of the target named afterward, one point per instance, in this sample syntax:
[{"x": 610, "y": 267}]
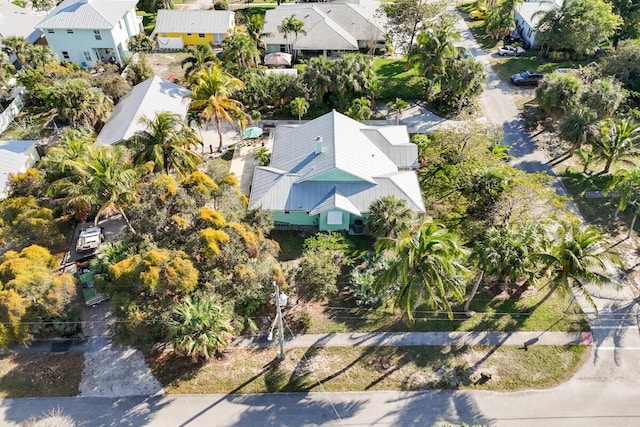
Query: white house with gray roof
[
  {"x": 329, "y": 27},
  {"x": 88, "y": 31},
  {"x": 146, "y": 99},
  {"x": 327, "y": 172}
]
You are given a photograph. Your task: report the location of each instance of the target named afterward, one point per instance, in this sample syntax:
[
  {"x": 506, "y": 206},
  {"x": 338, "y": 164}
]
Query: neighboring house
[
  {"x": 20, "y": 22},
  {"x": 528, "y": 15},
  {"x": 326, "y": 172},
  {"x": 152, "y": 96},
  {"x": 88, "y": 31},
  {"x": 329, "y": 27},
  {"x": 176, "y": 29},
  {"x": 15, "y": 157}
]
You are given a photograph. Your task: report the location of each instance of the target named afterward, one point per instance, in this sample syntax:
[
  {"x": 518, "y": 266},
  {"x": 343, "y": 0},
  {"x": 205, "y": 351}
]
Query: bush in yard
[
  {"x": 558, "y": 93},
  {"x": 318, "y": 275},
  {"x": 361, "y": 281}
]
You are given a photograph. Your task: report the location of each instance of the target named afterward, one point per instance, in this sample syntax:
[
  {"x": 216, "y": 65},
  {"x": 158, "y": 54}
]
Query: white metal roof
[
  {"x": 152, "y": 96},
  {"x": 358, "y": 19},
  {"x": 19, "y": 21},
  {"x": 322, "y": 32},
  {"x": 15, "y": 157},
  {"x": 194, "y": 21},
  {"x": 347, "y": 170},
  {"x": 87, "y": 14}
]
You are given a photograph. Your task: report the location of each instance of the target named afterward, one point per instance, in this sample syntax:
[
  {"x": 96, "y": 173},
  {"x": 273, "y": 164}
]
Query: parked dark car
[{"x": 527, "y": 78}]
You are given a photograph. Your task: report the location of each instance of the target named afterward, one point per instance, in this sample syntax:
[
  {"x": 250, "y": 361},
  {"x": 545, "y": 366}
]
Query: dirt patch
[
  {"x": 167, "y": 65},
  {"x": 40, "y": 375}
]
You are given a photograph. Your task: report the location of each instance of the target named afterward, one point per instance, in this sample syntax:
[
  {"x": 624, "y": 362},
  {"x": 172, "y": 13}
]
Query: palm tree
[
  {"x": 38, "y": 56},
  {"x": 360, "y": 109},
  {"x": 198, "y": 58},
  {"x": 262, "y": 156},
  {"x": 72, "y": 147},
  {"x": 241, "y": 50},
  {"x": 627, "y": 184},
  {"x": 575, "y": 261},
  {"x": 396, "y": 107},
  {"x": 290, "y": 25},
  {"x": 105, "y": 181},
  {"x": 254, "y": 26},
  {"x": 434, "y": 47},
  {"x": 200, "y": 327},
  {"x": 426, "y": 267},
  {"x": 76, "y": 101},
  {"x": 317, "y": 75},
  {"x": 578, "y": 127},
  {"x": 299, "y": 107},
  {"x": 16, "y": 45},
  {"x": 618, "y": 141},
  {"x": 212, "y": 91},
  {"x": 165, "y": 142},
  {"x": 389, "y": 217}
]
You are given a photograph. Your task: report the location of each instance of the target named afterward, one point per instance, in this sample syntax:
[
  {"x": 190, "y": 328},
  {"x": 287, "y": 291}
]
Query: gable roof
[
  {"x": 194, "y": 21},
  {"x": 87, "y": 14},
  {"x": 18, "y": 21},
  {"x": 322, "y": 32},
  {"x": 152, "y": 96},
  {"x": 15, "y": 157},
  {"x": 347, "y": 170},
  {"x": 358, "y": 19}
]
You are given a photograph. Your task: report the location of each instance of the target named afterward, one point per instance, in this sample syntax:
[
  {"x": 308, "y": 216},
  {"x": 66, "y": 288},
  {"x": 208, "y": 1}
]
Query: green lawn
[
  {"x": 396, "y": 81},
  {"x": 148, "y": 21},
  {"x": 506, "y": 66}
]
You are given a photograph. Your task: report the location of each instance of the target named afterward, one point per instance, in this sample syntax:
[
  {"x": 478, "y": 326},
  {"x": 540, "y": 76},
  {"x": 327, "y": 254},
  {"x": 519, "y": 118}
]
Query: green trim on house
[
  {"x": 294, "y": 218},
  {"x": 335, "y": 175}
]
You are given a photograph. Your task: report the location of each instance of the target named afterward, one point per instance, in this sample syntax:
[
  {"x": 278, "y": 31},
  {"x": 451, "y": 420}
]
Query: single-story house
[
  {"x": 327, "y": 172},
  {"x": 152, "y": 96},
  {"x": 527, "y": 17},
  {"x": 328, "y": 27},
  {"x": 176, "y": 29},
  {"x": 15, "y": 157}
]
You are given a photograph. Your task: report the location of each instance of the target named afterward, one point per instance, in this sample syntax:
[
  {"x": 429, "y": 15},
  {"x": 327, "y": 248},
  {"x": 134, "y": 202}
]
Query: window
[
  {"x": 69, "y": 31},
  {"x": 201, "y": 36},
  {"x": 65, "y": 54},
  {"x": 334, "y": 218},
  {"x": 50, "y": 31},
  {"x": 120, "y": 24},
  {"x": 188, "y": 34},
  {"x": 87, "y": 56},
  {"x": 96, "y": 34}
]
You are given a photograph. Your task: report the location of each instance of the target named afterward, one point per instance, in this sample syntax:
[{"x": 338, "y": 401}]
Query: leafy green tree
[
  {"x": 499, "y": 20},
  {"x": 360, "y": 109},
  {"x": 618, "y": 142},
  {"x": 629, "y": 10},
  {"x": 558, "y": 93},
  {"x": 141, "y": 43},
  {"x": 212, "y": 94},
  {"x": 624, "y": 64},
  {"x": 460, "y": 86},
  {"x": 299, "y": 107},
  {"x": 24, "y": 222},
  {"x": 198, "y": 58},
  {"x": 396, "y": 107},
  {"x": 139, "y": 71},
  {"x": 626, "y": 182},
  {"x": 581, "y": 26},
  {"x": 317, "y": 276},
  {"x": 579, "y": 127},
  {"x": 115, "y": 87},
  {"x": 604, "y": 96},
  {"x": 426, "y": 268},
  {"x": 16, "y": 45},
  {"x": 200, "y": 327},
  {"x": 389, "y": 217},
  {"x": 578, "y": 258},
  {"x": 406, "y": 17},
  {"x": 165, "y": 142},
  {"x": 434, "y": 47}
]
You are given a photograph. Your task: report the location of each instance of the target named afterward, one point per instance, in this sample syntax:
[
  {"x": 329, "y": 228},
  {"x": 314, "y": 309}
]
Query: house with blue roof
[{"x": 326, "y": 173}]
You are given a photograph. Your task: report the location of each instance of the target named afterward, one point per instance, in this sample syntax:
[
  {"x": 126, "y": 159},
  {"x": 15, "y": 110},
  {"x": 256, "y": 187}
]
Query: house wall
[
  {"x": 344, "y": 226},
  {"x": 80, "y": 41},
  {"x": 527, "y": 33},
  {"x": 294, "y": 218}
]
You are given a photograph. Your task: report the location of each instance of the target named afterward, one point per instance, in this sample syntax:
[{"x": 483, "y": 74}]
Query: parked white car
[
  {"x": 509, "y": 50},
  {"x": 89, "y": 239}
]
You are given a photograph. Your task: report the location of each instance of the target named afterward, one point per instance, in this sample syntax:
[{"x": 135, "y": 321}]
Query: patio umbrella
[
  {"x": 252, "y": 132},
  {"x": 277, "y": 58}
]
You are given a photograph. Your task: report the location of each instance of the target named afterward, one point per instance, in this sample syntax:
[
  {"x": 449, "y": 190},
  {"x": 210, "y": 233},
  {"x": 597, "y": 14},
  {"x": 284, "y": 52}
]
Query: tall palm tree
[
  {"x": 38, "y": 56},
  {"x": 317, "y": 75},
  {"x": 198, "y": 58},
  {"x": 72, "y": 147},
  {"x": 617, "y": 142},
  {"x": 105, "y": 181},
  {"x": 396, "y": 107},
  {"x": 577, "y": 260},
  {"x": 212, "y": 92},
  {"x": 200, "y": 327},
  {"x": 165, "y": 142},
  {"x": 241, "y": 50},
  {"x": 290, "y": 25},
  {"x": 433, "y": 49},
  {"x": 299, "y": 107},
  {"x": 389, "y": 217},
  {"x": 426, "y": 267},
  {"x": 360, "y": 109},
  {"x": 16, "y": 45},
  {"x": 254, "y": 26},
  {"x": 579, "y": 127}
]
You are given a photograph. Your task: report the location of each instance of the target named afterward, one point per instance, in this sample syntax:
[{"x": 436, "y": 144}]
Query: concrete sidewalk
[{"x": 408, "y": 339}]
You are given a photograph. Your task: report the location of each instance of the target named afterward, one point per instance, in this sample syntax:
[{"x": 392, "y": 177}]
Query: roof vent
[{"x": 318, "y": 146}]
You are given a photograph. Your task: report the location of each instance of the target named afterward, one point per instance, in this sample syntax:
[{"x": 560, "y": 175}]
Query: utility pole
[{"x": 279, "y": 318}]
